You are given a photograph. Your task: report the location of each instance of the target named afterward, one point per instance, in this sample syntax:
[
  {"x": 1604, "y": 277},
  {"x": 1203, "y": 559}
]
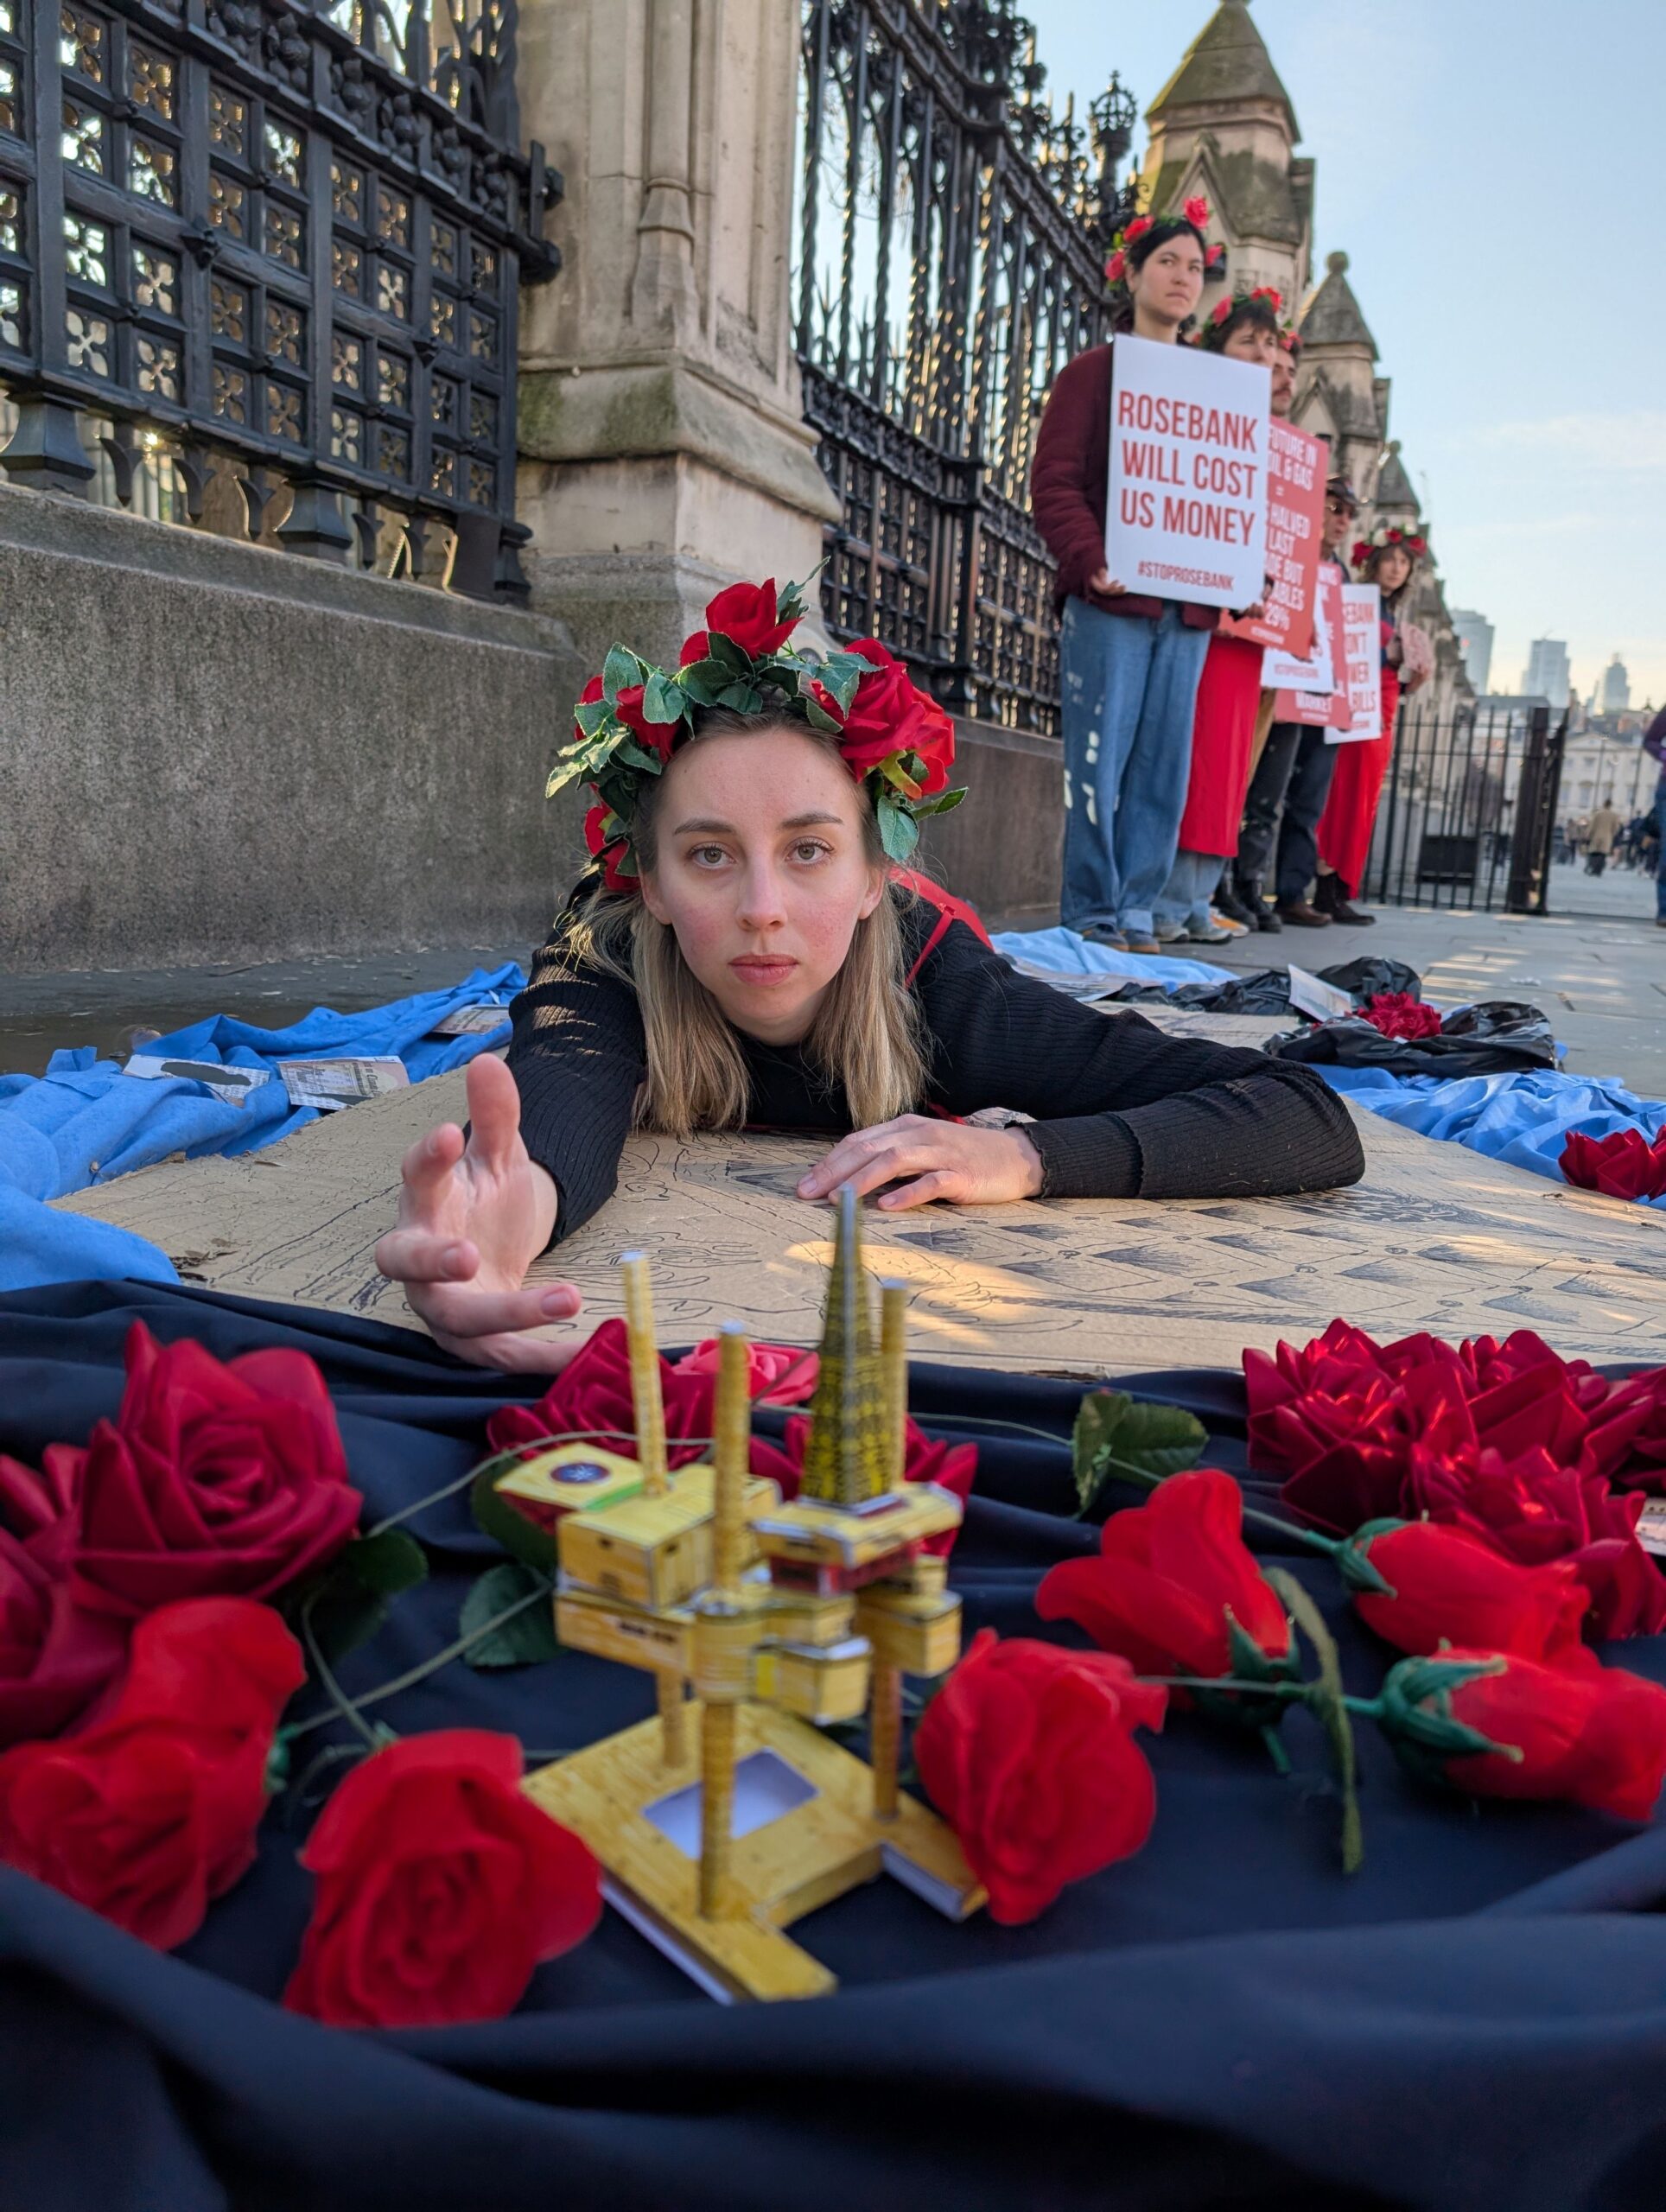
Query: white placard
[
  {"x": 1312, "y": 995},
  {"x": 1362, "y": 665},
  {"x": 1279, "y": 672},
  {"x": 1186, "y": 513},
  {"x": 233, "y": 1084},
  {"x": 331, "y": 1085}
]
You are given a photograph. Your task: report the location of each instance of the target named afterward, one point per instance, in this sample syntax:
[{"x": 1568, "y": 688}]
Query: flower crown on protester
[
  {"x": 1225, "y": 309},
  {"x": 1193, "y": 216},
  {"x": 1388, "y": 536},
  {"x": 893, "y": 737}
]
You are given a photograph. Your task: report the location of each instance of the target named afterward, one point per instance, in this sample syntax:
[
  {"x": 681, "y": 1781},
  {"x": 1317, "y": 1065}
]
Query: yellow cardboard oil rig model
[{"x": 730, "y": 1816}]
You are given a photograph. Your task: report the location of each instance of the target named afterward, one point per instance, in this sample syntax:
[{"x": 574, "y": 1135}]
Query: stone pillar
[{"x": 664, "y": 451}]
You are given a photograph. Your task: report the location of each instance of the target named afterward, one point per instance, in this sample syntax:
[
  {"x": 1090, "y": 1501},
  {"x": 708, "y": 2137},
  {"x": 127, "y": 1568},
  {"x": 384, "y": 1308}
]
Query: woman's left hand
[{"x": 944, "y": 1160}]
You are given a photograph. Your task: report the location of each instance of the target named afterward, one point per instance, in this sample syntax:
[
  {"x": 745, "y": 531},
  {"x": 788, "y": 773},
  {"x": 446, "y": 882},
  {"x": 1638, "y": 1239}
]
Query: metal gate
[{"x": 1468, "y": 809}]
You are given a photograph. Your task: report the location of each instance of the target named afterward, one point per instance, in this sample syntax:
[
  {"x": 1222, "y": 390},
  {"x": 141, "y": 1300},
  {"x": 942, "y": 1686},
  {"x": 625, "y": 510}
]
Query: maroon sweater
[{"x": 1068, "y": 484}]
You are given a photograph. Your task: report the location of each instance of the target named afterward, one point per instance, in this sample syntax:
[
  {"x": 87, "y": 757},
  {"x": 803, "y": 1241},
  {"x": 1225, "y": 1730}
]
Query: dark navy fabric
[{"x": 1475, "y": 2021}]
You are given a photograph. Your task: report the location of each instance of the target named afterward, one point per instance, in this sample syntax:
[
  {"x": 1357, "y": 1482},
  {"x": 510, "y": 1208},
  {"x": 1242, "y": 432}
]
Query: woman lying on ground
[{"x": 744, "y": 953}]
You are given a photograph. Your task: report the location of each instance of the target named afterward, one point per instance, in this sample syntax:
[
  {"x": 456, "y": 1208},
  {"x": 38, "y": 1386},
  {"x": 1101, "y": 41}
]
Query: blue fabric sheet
[
  {"x": 1071, "y": 955},
  {"x": 84, "y": 1122},
  {"x": 1524, "y": 1119},
  {"x": 1474, "y": 2022}
]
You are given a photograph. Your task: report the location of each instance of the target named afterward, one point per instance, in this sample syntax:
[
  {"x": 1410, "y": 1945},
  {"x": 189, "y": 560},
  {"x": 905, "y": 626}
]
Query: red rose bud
[
  {"x": 1500, "y": 1726},
  {"x": 1196, "y": 210},
  {"x": 1420, "y": 1585},
  {"x": 592, "y": 1397},
  {"x": 746, "y": 615},
  {"x": 1027, "y": 1752},
  {"x": 150, "y": 1813},
  {"x": 1624, "y": 1164},
  {"x": 212, "y": 1480},
  {"x": 440, "y": 1887},
  {"x": 776, "y": 1375},
  {"x": 1173, "y": 1581},
  {"x": 605, "y": 835},
  {"x": 1396, "y": 1013}
]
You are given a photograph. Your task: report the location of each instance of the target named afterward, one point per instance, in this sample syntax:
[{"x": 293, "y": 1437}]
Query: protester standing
[
  {"x": 1654, "y": 744},
  {"x": 1244, "y": 328},
  {"x": 1130, "y": 666},
  {"x": 1388, "y": 559},
  {"x": 1293, "y": 780}
]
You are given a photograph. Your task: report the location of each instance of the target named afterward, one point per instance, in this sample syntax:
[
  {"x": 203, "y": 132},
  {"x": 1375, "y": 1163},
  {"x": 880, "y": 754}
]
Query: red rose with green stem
[
  {"x": 1419, "y": 1584},
  {"x": 1027, "y": 1751}
]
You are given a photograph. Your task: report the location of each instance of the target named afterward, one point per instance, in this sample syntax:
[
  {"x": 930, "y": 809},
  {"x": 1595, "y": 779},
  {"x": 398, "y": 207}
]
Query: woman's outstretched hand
[
  {"x": 944, "y": 1160},
  {"x": 473, "y": 1215}
]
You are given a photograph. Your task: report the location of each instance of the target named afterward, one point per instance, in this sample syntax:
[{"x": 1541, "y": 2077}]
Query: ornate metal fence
[
  {"x": 1468, "y": 808},
  {"x": 951, "y": 253},
  {"x": 245, "y": 240}
]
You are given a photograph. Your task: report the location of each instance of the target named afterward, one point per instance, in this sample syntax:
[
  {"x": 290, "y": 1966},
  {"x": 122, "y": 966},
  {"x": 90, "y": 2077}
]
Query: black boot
[
  {"x": 1265, "y": 918},
  {"x": 1228, "y": 901}
]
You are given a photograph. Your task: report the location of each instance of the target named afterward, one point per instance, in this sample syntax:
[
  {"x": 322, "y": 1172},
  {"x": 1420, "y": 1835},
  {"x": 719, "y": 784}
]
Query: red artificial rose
[
  {"x": 149, "y": 1813},
  {"x": 1027, "y": 1752},
  {"x": 746, "y": 615},
  {"x": 1447, "y": 1586},
  {"x": 440, "y": 1886},
  {"x": 1396, "y": 1013},
  {"x": 1167, "y": 1576},
  {"x": 55, "y": 1657},
  {"x": 776, "y": 1375},
  {"x": 1195, "y": 211},
  {"x": 1117, "y": 267},
  {"x": 1584, "y": 1733},
  {"x": 1624, "y": 1164},
  {"x": 610, "y": 851},
  {"x": 888, "y": 716},
  {"x": 1532, "y": 1510},
  {"x": 952, "y": 1467},
  {"x": 591, "y": 1398},
  {"x": 213, "y": 1479},
  {"x": 1136, "y": 229}
]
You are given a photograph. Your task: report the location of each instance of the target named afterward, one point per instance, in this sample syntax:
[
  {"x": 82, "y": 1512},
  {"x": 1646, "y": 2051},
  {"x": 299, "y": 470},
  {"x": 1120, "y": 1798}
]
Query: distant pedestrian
[
  {"x": 1293, "y": 780},
  {"x": 1654, "y": 744},
  {"x": 1245, "y": 328},
  {"x": 1388, "y": 559},
  {"x": 1130, "y": 664},
  {"x": 1599, "y": 839}
]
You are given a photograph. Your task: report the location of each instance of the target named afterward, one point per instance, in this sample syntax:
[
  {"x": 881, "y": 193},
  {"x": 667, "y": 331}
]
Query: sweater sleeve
[
  {"x": 1122, "y": 1110},
  {"x": 577, "y": 1055},
  {"x": 1073, "y": 533}
]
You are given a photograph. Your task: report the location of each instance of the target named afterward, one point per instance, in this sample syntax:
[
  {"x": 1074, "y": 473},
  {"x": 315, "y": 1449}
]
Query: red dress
[
  {"x": 1349, "y": 816},
  {"x": 1222, "y": 737}
]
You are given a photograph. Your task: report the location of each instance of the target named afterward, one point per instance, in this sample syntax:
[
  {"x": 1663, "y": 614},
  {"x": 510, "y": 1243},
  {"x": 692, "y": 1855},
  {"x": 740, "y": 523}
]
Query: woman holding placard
[
  {"x": 1244, "y": 328},
  {"x": 1130, "y": 664},
  {"x": 1388, "y": 559}
]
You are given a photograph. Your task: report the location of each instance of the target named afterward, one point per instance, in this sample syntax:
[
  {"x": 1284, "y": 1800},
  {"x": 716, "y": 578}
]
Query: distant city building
[
  {"x": 1616, "y": 687},
  {"x": 1475, "y": 643},
  {"x": 1548, "y": 670}
]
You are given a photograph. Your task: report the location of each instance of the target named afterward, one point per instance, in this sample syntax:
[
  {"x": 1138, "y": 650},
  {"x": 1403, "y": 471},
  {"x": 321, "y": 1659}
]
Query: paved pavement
[{"x": 1596, "y": 964}]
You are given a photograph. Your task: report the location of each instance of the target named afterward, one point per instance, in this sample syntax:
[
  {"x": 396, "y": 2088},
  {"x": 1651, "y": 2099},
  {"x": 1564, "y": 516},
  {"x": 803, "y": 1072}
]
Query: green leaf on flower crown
[
  {"x": 592, "y": 714},
  {"x": 899, "y": 831},
  {"x": 841, "y": 673},
  {"x": 565, "y": 772},
  {"x": 745, "y": 698},
  {"x": 629, "y": 755},
  {"x": 664, "y": 699},
  {"x": 817, "y": 716},
  {"x": 619, "y": 670},
  {"x": 944, "y": 803},
  {"x": 703, "y": 680},
  {"x": 1118, "y": 1438},
  {"x": 735, "y": 658},
  {"x": 1325, "y": 1700},
  {"x": 523, "y": 1641}
]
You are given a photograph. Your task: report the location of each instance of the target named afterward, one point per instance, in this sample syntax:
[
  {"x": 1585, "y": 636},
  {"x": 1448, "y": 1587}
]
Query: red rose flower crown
[
  {"x": 629, "y": 720},
  {"x": 1411, "y": 543},
  {"x": 1195, "y": 211}
]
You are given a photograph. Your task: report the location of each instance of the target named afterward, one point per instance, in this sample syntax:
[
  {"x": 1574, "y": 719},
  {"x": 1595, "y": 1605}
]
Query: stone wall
[
  {"x": 213, "y": 753},
  {"x": 1002, "y": 846}
]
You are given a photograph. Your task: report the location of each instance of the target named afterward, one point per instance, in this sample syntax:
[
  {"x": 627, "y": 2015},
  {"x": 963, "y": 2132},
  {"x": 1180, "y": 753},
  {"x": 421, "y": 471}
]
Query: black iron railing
[
  {"x": 951, "y": 251},
  {"x": 245, "y": 242},
  {"x": 1468, "y": 808}
]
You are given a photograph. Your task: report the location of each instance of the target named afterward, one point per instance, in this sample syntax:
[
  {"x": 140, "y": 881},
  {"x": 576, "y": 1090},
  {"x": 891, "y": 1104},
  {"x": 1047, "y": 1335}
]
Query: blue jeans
[
  {"x": 1185, "y": 898},
  {"x": 1660, "y": 865},
  {"x": 1130, "y": 688}
]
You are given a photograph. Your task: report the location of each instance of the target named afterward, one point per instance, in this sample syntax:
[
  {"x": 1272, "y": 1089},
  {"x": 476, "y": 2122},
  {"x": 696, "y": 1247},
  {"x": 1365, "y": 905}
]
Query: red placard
[{"x": 1295, "y": 509}]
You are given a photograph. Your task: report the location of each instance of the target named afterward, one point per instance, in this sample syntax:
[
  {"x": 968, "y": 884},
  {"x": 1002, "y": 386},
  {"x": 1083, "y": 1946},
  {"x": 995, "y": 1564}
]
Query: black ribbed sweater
[{"x": 1121, "y": 1110}]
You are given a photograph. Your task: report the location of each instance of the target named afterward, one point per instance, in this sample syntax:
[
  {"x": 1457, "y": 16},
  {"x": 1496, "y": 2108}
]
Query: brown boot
[
  {"x": 1300, "y": 915},
  {"x": 1332, "y": 898}
]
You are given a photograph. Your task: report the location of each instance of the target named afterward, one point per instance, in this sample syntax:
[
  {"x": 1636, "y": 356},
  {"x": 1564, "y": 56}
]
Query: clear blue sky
[{"x": 1495, "y": 170}]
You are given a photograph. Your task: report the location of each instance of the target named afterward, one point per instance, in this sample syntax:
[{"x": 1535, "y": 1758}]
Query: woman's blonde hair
[{"x": 866, "y": 1036}]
